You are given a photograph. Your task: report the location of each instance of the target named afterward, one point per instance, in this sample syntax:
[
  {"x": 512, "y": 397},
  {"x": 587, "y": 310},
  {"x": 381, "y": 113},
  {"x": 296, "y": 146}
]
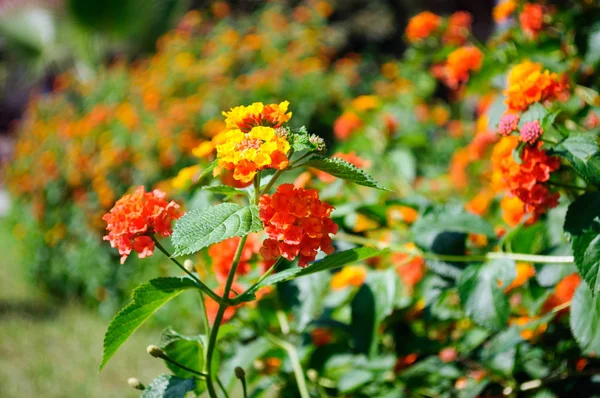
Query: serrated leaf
[
  {"x": 582, "y": 213},
  {"x": 147, "y": 299},
  {"x": 346, "y": 171},
  {"x": 225, "y": 190},
  {"x": 585, "y": 319},
  {"x": 185, "y": 350},
  {"x": 198, "y": 229},
  {"x": 481, "y": 291},
  {"x": 448, "y": 219},
  {"x": 582, "y": 151},
  {"x": 330, "y": 262},
  {"x": 169, "y": 386},
  {"x": 586, "y": 251}
]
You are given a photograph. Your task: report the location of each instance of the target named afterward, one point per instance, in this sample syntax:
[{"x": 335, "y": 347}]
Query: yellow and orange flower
[
  {"x": 504, "y": 10},
  {"x": 525, "y": 271},
  {"x": 247, "y": 153},
  {"x": 353, "y": 275},
  {"x": 459, "y": 64},
  {"x": 527, "y": 83},
  {"x": 245, "y": 118}
]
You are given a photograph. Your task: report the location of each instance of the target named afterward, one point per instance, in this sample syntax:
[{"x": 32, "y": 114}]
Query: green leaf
[
  {"x": 448, "y": 219},
  {"x": 208, "y": 170},
  {"x": 592, "y": 55},
  {"x": 499, "y": 353},
  {"x": 346, "y": 171},
  {"x": 535, "y": 112},
  {"x": 244, "y": 357},
  {"x": 225, "y": 190},
  {"x": 481, "y": 291},
  {"x": 330, "y": 262},
  {"x": 585, "y": 319},
  {"x": 168, "y": 386},
  {"x": 582, "y": 151},
  {"x": 582, "y": 213},
  {"x": 354, "y": 379},
  {"x": 186, "y": 350},
  {"x": 201, "y": 228},
  {"x": 147, "y": 299},
  {"x": 586, "y": 251}
]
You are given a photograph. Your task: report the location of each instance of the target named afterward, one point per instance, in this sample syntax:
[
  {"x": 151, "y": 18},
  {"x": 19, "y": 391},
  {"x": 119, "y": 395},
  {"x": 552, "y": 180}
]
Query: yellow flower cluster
[
  {"x": 245, "y": 118},
  {"x": 247, "y": 153}
]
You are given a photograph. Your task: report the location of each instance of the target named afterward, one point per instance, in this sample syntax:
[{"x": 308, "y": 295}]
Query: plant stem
[
  {"x": 206, "y": 327},
  {"x": 559, "y": 184},
  {"x": 219, "y": 318},
  {"x": 532, "y": 258},
  {"x": 295, "y": 361},
  {"x": 200, "y": 374},
  {"x": 235, "y": 300},
  {"x": 256, "y": 187},
  {"x": 197, "y": 281}
]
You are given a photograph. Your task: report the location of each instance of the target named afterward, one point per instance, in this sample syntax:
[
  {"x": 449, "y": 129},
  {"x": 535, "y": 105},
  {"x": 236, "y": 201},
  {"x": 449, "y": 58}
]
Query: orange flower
[
  {"x": 297, "y": 224},
  {"x": 504, "y": 10},
  {"x": 513, "y": 210},
  {"x": 321, "y": 337},
  {"x": 365, "y": 102},
  {"x": 459, "y": 26},
  {"x": 527, "y": 83},
  {"x": 458, "y": 65},
  {"x": 409, "y": 267},
  {"x": 245, "y": 118},
  {"x": 135, "y": 218},
  {"x": 350, "y": 157},
  {"x": 353, "y": 275},
  {"x": 563, "y": 292},
  {"x": 346, "y": 124},
  {"x": 399, "y": 213},
  {"x": 531, "y": 332},
  {"x": 422, "y": 25},
  {"x": 525, "y": 271},
  {"x": 532, "y": 19},
  {"x": 480, "y": 203},
  {"x": 222, "y": 255},
  {"x": 458, "y": 168}
]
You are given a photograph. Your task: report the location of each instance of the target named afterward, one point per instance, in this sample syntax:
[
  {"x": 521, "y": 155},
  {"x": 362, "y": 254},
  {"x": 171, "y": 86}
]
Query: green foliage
[
  {"x": 582, "y": 151},
  {"x": 585, "y": 319},
  {"x": 169, "y": 386},
  {"x": 147, "y": 299},
  {"x": 482, "y": 293},
  {"x": 346, "y": 171},
  {"x": 201, "y": 228}
]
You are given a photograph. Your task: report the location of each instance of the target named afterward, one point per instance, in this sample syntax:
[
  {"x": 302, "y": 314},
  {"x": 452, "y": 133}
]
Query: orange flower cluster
[
  {"x": 526, "y": 180},
  {"x": 527, "y": 83},
  {"x": 459, "y": 26},
  {"x": 563, "y": 292},
  {"x": 222, "y": 255},
  {"x": 135, "y": 218},
  {"x": 245, "y": 118},
  {"x": 410, "y": 268},
  {"x": 532, "y": 19},
  {"x": 422, "y": 25},
  {"x": 525, "y": 271},
  {"x": 458, "y": 65},
  {"x": 353, "y": 275},
  {"x": 346, "y": 124},
  {"x": 350, "y": 157},
  {"x": 297, "y": 223}
]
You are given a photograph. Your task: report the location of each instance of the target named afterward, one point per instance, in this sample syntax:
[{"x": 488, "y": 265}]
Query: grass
[{"x": 54, "y": 351}]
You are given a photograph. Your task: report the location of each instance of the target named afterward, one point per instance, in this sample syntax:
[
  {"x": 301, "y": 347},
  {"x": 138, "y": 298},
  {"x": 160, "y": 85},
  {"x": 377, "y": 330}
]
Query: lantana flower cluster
[
  {"x": 528, "y": 83},
  {"x": 297, "y": 224},
  {"x": 135, "y": 218}
]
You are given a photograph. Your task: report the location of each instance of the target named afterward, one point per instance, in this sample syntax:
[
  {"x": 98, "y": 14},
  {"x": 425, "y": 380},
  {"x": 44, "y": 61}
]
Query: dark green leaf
[
  {"x": 585, "y": 319},
  {"x": 581, "y": 150},
  {"x": 186, "y": 350},
  {"x": 346, "y": 171},
  {"x": 168, "y": 386},
  {"x": 499, "y": 353},
  {"x": 582, "y": 213},
  {"x": 481, "y": 291},
  {"x": 586, "y": 251},
  {"x": 201, "y": 228},
  {"x": 147, "y": 299},
  {"x": 354, "y": 379}
]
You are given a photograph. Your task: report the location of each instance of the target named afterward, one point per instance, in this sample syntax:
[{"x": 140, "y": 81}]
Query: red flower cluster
[
  {"x": 297, "y": 224},
  {"x": 459, "y": 26},
  {"x": 134, "y": 218},
  {"x": 222, "y": 255},
  {"x": 526, "y": 180},
  {"x": 532, "y": 19}
]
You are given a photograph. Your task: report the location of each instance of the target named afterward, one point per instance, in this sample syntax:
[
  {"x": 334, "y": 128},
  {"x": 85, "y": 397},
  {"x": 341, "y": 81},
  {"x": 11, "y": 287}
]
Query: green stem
[
  {"x": 256, "y": 187},
  {"x": 219, "y": 318},
  {"x": 200, "y": 374},
  {"x": 206, "y": 327},
  {"x": 197, "y": 281},
  {"x": 559, "y": 184},
  {"x": 236, "y": 299},
  {"x": 295, "y": 361},
  {"x": 222, "y": 387},
  {"x": 531, "y": 258}
]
